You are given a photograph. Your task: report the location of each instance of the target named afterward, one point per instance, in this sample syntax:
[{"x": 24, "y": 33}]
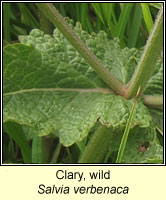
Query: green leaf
[
  {"x": 28, "y": 17},
  {"x": 98, "y": 9},
  {"x": 121, "y": 62},
  {"x": 7, "y": 18},
  {"x": 156, "y": 5},
  {"x": 123, "y": 20},
  {"x": 135, "y": 27},
  {"x": 147, "y": 16},
  {"x": 49, "y": 88},
  {"x": 106, "y": 13},
  {"x": 17, "y": 134}
]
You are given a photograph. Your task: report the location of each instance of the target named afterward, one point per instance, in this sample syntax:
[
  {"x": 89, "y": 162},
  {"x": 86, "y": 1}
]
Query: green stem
[
  {"x": 147, "y": 62},
  {"x": 97, "y": 146},
  {"x": 56, "y": 154},
  {"x": 37, "y": 151},
  {"x": 126, "y": 132},
  {"x": 46, "y": 148},
  {"x": 153, "y": 101},
  {"x": 56, "y": 18},
  {"x": 45, "y": 24}
]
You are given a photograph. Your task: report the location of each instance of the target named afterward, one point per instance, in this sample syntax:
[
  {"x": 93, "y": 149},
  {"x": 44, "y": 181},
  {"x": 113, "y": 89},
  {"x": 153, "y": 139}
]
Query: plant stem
[
  {"x": 56, "y": 18},
  {"x": 147, "y": 62},
  {"x": 37, "y": 151},
  {"x": 126, "y": 132},
  {"x": 153, "y": 101},
  {"x": 56, "y": 154},
  {"x": 97, "y": 146},
  {"x": 45, "y": 24}
]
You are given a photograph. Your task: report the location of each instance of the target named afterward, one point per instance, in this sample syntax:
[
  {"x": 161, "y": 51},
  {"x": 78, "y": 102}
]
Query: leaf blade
[{"x": 54, "y": 80}]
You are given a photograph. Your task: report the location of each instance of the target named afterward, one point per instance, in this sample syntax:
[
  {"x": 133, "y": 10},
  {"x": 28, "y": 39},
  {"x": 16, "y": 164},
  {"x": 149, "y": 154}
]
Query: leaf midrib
[{"x": 81, "y": 90}]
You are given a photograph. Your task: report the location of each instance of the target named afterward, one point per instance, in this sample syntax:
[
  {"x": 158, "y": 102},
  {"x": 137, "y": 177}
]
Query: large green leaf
[{"x": 49, "y": 88}]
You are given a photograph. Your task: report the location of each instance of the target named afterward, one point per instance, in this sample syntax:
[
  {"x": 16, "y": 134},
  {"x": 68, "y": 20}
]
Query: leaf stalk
[
  {"x": 97, "y": 146},
  {"x": 147, "y": 63}
]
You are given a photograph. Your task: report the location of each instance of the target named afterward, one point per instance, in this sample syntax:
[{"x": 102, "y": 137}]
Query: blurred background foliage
[{"x": 131, "y": 22}]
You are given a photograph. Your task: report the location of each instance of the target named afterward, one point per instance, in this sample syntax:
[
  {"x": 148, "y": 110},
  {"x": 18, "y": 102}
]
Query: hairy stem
[
  {"x": 97, "y": 146},
  {"x": 147, "y": 62},
  {"x": 56, "y": 18}
]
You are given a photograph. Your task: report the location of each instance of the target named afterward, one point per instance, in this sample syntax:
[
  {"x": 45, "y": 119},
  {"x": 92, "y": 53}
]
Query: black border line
[{"x": 58, "y": 165}]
